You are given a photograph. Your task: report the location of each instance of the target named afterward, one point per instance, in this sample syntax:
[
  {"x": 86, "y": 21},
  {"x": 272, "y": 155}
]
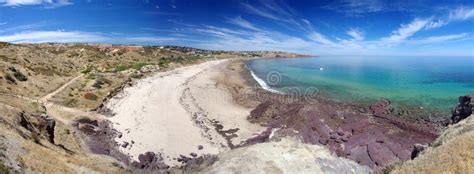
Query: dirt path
[
  {"x": 48, "y": 96},
  {"x": 60, "y": 112}
]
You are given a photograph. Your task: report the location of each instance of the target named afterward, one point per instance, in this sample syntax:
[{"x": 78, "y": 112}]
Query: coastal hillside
[
  {"x": 452, "y": 151},
  {"x": 48, "y": 92},
  {"x": 80, "y": 108}
]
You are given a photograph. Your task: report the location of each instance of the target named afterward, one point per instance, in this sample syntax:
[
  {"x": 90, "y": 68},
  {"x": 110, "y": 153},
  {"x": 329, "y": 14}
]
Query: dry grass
[
  {"x": 43, "y": 68},
  {"x": 47, "y": 157},
  {"x": 452, "y": 152}
]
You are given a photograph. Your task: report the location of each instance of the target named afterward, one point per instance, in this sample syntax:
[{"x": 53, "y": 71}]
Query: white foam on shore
[{"x": 263, "y": 84}]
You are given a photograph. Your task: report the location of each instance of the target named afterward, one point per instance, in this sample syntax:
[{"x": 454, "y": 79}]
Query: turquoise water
[{"x": 428, "y": 82}]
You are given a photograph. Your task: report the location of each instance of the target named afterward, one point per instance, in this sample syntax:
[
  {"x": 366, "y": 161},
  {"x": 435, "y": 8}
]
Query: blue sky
[{"x": 340, "y": 27}]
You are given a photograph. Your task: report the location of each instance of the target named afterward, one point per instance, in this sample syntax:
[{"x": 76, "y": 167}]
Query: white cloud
[
  {"x": 46, "y": 3},
  {"x": 356, "y": 34},
  {"x": 52, "y": 36},
  {"x": 243, "y": 23},
  {"x": 280, "y": 13},
  {"x": 3, "y": 23},
  {"x": 461, "y": 14},
  {"x": 437, "y": 39},
  {"x": 318, "y": 37},
  {"x": 260, "y": 12},
  {"x": 20, "y": 2},
  {"x": 150, "y": 39},
  {"x": 436, "y": 24},
  {"x": 458, "y": 14},
  {"x": 356, "y": 7},
  {"x": 406, "y": 30},
  {"x": 306, "y": 21}
]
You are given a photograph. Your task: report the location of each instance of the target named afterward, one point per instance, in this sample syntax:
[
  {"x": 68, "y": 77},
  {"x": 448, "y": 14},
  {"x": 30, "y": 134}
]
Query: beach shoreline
[
  {"x": 217, "y": 106},
  {"x": 188, "y": 111}
]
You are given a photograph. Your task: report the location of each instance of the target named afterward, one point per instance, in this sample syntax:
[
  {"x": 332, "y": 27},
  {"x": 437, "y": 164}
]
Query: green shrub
[
  {"x": 100, "y": 81},
  {"x": 136, "y": 76},
  {"x": 4, "y": 169},
  {"x": 20, "y": 76},
  {"x": 121, "y": 67},
  {"x": 87, "y": 70},
  {"x": 138, "y": 66},
  {"x": 10, "y": 79}
]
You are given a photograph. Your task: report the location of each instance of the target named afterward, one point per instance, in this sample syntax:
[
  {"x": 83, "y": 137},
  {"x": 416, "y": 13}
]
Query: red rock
[
  {"x": 323, "y": 141},
  {"x": 380, "y": 154},
  {"x": 340, "y": 132},
  {"x": 360, "y": 155}
]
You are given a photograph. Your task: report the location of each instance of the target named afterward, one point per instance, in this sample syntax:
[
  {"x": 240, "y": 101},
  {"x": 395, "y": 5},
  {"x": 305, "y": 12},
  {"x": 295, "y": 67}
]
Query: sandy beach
[{"x": 176, "y": 112}]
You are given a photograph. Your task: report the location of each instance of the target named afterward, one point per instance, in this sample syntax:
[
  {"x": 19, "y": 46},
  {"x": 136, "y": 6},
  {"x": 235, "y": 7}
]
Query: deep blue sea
[{"x": 427, "y": 82}]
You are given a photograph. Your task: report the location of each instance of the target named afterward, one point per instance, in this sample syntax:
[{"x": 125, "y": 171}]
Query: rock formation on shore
[
  {"x": 464, "y": 109},
  {"x": 282, "y": 155},
  {"x": 372, "y": 136}
]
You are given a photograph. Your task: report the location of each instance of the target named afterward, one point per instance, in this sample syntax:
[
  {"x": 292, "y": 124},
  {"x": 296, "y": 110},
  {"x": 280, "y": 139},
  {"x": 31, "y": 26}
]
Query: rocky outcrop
[
  {"x": 40, "y": 126},
  {"x": 464, "y": 108},
  {"x": 100, "y": 137},
  {"x": 102, "y": 109},
  {"x": 287, "y": 155},
  {"x": 150, "y": 161},
  {"x": 372, "y": 136}
]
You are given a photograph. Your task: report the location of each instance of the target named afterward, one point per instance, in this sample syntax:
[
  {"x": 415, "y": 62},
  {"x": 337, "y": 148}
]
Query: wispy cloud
[
  {"x": 162, "y": 13},
  {"x": 279, "y": 12},
  {"x": 455, "y": 15},
  {"x": 406, "y": 30},
  {"x": 243, "y": 23},
  {"x": 52, "y": 36},
  {"x": 360, "y": 8},
  {"x": 24, "y": 27},
  {"x": 150, "y": 39},
  {"x": 356, "y": 34},
  {"x": 45, "y": 3},
  {"x": 437, "y": 39},
  {"x": 318, "y": 37},
  {"x": 356, "y": 7},
  {"x": 462, "y": 13},
  {"x": 436, "y": 24}
]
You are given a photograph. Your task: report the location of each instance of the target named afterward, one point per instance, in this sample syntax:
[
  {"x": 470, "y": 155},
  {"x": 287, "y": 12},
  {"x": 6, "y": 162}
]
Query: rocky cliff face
[{"x": 464, "y": 109}]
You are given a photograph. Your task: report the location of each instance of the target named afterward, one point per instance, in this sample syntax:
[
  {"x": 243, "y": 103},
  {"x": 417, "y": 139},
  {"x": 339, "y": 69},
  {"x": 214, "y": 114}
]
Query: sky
[{"x": 318, "y": 27}]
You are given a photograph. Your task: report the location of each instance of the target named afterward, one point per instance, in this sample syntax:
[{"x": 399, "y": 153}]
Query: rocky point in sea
[{"x": 464, "y": 109}]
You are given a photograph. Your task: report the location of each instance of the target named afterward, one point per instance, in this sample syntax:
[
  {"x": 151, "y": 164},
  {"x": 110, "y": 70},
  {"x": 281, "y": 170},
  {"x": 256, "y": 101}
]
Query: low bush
[
  {"x": 20, "y": 76},
  {"x": 90, "y": 96},
  {"x": 121, "y": 67},
  {"x": 4, "y": 169},
  {"x": 138, "y": 66}
]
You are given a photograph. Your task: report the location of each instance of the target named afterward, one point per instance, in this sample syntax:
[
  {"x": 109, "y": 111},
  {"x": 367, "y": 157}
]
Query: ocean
[{"x": 423, "y": 82}]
